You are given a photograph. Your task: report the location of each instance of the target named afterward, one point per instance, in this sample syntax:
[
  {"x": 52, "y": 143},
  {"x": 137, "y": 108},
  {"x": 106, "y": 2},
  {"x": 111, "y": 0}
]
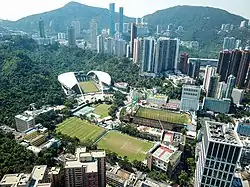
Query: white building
[
  {"x": 77, "y": 26},
  {"x": 120, "y": 48},
  {"x": 93, "y": 34},
  {"x": 190, "y": 98},
  {"x": 219, "y": 154},
  {"x": 125, "y": 27},
  {"x": 61, "y": 36},
  {"x": 208, "y": 73},
  {"x": 222, "y": 86},
  {"x": 237, "y": 95},
  {"x": 243, "y": 24},
  {"x": 100, "y": 44},
  {"x": 24, "y": 122}
]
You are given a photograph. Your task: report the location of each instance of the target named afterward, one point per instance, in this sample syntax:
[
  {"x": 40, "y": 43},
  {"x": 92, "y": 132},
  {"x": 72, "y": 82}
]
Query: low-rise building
[
  {"x": 37, "y": 178},
  {"x": 173, "y": 139},
  {"x": 216, "y": 105},
  {"x": 157, "y": 100},
  {"x": 190, "y": 98},
  {"x": 163, "y": 158}
]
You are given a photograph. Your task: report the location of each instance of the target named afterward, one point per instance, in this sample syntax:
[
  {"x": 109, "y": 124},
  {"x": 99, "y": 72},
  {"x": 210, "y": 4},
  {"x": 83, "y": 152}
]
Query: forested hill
[
  {"x": 58, "y": 20},
  {"x": 199, "y": 23},
  {"x": 28, "y": 73}
]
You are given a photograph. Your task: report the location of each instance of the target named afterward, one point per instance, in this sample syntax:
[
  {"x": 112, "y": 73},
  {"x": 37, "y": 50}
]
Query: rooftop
[
  {"x": 38, "y": 172},
  {"x": 90, "y": 166},
  {"x": 222, "y": 133},
  {"x": 163, "y": 153},
  {"x": 12, "y": 179},
  {"x": 173, "y": 138},
  {"x": 43, "y": 185}
]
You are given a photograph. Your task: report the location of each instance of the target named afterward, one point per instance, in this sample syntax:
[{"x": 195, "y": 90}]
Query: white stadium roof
[
  {"x": 68, "y": 79},
  {"x": 102, "y": 76}
]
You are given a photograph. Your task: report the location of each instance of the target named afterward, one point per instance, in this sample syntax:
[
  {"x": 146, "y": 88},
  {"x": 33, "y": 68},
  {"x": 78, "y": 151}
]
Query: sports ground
[
  {"x": 82, "y": 129},
  {"x": 89, "y": 87},
  {"x": 102, "y": 110},
  {"x": 124, "y": 145},
  {"x": 163, "y": 115}
]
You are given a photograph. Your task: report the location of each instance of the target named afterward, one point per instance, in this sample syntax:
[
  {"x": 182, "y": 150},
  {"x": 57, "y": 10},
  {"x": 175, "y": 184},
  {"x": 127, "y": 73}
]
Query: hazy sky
[{"x": 16, "y": 9}]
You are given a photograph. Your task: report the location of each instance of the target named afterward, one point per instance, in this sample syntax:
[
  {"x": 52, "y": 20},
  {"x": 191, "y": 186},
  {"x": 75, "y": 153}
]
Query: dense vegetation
[
  {"x": 14, "y": 158},
  {"x": 28, "y": 74}
]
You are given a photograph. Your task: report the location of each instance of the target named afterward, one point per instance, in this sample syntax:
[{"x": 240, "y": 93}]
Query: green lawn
[
  {"x": 80, "y": 128},
  {"x": 124, "y": 145},
  {"x": 102, "y": 110},
  {"x": 163, "y": 115},
  {"x": 88, "y": 87}
]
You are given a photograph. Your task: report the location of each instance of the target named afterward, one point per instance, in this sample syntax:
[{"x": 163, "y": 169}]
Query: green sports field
[
  {"x": 124, "y": 145},
  {"x": 163, "y": 115},
  {"x": 88, "y": 87},
  {"x": 102, "y": 110},
  {"x": 80, "y": 128}
]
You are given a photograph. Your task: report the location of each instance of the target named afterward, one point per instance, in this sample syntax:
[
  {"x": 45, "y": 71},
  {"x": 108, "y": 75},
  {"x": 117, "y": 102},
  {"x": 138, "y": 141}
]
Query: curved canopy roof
[
  {"x": 68, "y": 79},
  {"x": 102, "y": 76}
]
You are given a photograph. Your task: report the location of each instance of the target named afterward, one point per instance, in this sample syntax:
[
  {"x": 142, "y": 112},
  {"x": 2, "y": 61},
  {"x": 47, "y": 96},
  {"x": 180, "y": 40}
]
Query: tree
[{"x": 183, "y": 178}]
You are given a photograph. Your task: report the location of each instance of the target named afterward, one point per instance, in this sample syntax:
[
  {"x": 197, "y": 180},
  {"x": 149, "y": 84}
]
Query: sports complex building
[{"x": 81, "y": 83}]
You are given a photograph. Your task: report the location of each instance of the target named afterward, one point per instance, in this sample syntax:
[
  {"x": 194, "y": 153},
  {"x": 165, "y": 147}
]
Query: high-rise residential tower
[
  {"x": 166, "y": 55},
  {"x": 77, "y": 27},
  {"x": 100, "y": 44},
  {"x": 41, "y": 28},
  {"x": 213, "y": 86},
  {"x": 243, "y": 69},
  {"x": 121, "y": 19},
  {"x": 207, "y": 77},
  {"x": 220, "y": 151},
  {"x": 71, "y": 37},
  {"x": 183, "y": 65},
  {"x": 230, "y": 86},
  {"x": 112, "y": 19},
  {"x": 194, "y": 65},
  {"x": 223, "y": 64},
  {"x": 147, "y": 61},
  {"x": 133, "y": 35},
  {"x": 93, "y": 34}
]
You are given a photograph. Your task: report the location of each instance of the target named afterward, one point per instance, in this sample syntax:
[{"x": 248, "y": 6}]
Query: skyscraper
[
  {"x": 120, "y": 47},
  {"x": 166, "y": 55},
  {"x": 213, "y": 86},
  {"x": 158, "y": 29},
  {"x": 194, "y": 65},
  {"x": 100, "y": 44},
  {"x": 223, "y": 64},
  {"x": 125, "y": 27},
  {"x": 234, "y": 63},
  {"x": 220, "y": 151},
  {"x": 133, "y": 35},
  {"x": 207, "y": 77},
  {"x": 111, "y": 19},
  {"x": 183, "y": 65},
  {"x": 230, "y": 86},
  {"x": 71, "y": 37},
  {"x": 222, "y": 86},
  {"x": 147, "y": 61},
  {"x": 138, "y": 50},
  {"x": 243, "y": 69},
  {"x": 77, "y": 27},
  {"x": 121, "y": 20},
  {"x": 41, "y": 28},
  {"x": 93, "y": 34},
  {"x": 110, "y": 46}
]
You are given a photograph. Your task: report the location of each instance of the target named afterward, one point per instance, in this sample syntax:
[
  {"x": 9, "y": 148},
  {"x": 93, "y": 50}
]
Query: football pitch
[
  {"x": 88, "y": 87},
  {"x": 163, "y": 115},
  {"x": 102, "y": 110},
  {"x": 124, "y": 145},
  {"x": 75, "y": 127}
]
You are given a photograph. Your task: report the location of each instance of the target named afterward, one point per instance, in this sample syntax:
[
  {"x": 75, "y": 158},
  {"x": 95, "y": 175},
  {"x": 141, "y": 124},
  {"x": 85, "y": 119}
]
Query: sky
[{"x": 16, "y": 9}]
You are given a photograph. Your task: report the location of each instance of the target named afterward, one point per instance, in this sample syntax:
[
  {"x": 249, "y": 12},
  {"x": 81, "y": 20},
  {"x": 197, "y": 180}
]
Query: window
[
  {"x": 218, "y": 183},
  {"x": 230, "y": 154},
  {"x": 222, "y": 166},
  {"x": 213, "y": 182},
  {"x": 216, "y": 145},
  {"x": 227, "y": 167},
  {"x": 210, "y": 173},
  {"x": 236, "y": 155},
  {"x": 219, "y": 155},
  {"x": 226, "y": 147},
  {"x": 217, "y": 165},
  {"x": 224, "y": 176},
  {"x": 205, "y": 171},
  {"x": 210, "y": 148}
]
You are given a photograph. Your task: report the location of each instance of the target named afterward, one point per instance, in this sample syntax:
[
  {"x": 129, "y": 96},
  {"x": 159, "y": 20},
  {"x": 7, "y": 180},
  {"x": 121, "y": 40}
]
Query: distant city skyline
[{"x": 14, "y": 10}]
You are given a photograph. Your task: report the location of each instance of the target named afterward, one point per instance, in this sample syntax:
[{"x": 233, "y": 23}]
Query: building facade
[
  {"x": 41, "y": 29},
  {"x": 71, "y": 37},
  {"x": 121, "y": 19},
  {"x": 194, "y": 65},
  {"x": 216, "y": 105},
  {"x": 230, "y": 86},
  {"x": 87, "y": 169},
  {"x": 112, "y": 19},
  {"x": 220, "y": 151},
  {"x": 93, "y": 34},
  {"x": 213, "y": 86},
  {"x": 77, "y": 27},
  {"x": 100, "y": 44},
  {"x": 190, "y": 98}
]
